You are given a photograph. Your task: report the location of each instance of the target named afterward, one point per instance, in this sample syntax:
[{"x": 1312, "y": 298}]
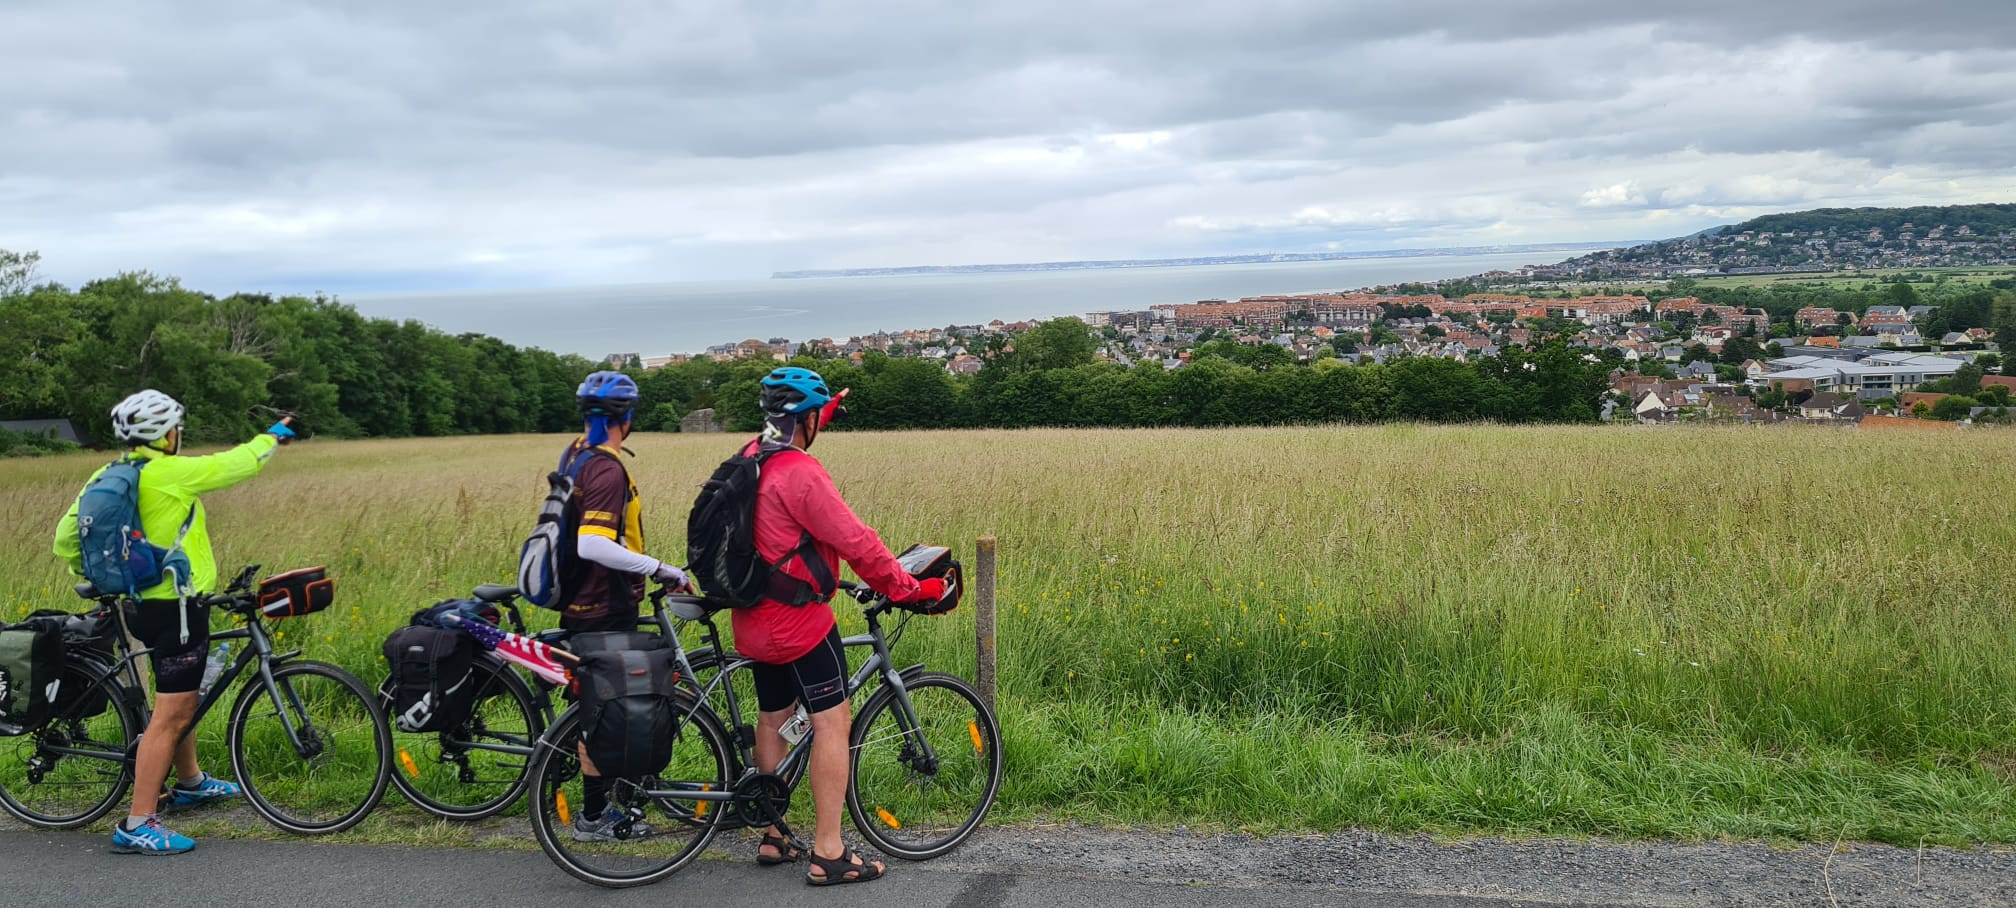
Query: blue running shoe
[
  {"x": 150, "y": 838},
  {"x": 207, "y": 789}
]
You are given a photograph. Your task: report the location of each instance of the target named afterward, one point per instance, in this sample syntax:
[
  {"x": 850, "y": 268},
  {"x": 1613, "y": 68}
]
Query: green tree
[
  {"x": 1059, "y": 343},
  {"x": 1966, "y": 380},
  {"x": 1953, "y": 407},
  {"x": 17, "y": 272}
]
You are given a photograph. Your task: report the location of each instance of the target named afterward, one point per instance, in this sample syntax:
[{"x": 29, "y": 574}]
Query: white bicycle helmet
[{"x": 147, "y": 416}]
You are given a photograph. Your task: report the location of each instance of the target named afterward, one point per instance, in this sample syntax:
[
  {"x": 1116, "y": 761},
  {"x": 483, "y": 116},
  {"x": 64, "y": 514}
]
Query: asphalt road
[
  {"x": 50, "y": 869},
  {"x": 1031, "y": 867}
]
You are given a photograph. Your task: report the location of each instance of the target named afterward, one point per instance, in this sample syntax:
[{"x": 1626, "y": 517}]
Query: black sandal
[
  {"x": 788, "y": 851},
  {"x": 837, "y": 869}
]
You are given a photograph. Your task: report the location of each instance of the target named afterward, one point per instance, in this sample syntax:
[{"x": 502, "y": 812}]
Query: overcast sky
[{"x": 427, "y": 144}]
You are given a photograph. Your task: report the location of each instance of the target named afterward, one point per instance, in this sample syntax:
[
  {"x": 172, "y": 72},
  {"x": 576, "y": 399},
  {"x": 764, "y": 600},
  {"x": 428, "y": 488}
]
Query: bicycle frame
[
  {"x": 791, "y": 766},
  {"x": 260, "y": 650}
]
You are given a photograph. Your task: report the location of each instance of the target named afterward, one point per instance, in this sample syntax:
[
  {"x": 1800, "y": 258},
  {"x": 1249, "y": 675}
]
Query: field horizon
[{"x": 1689, "y": 632}]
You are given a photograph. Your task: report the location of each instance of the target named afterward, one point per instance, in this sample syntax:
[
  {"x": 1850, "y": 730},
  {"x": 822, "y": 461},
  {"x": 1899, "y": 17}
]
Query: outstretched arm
[{"x": 222, "y": 470}]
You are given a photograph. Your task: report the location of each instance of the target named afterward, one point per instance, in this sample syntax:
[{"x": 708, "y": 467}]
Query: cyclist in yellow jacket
[{"x": 171, "y": 621}]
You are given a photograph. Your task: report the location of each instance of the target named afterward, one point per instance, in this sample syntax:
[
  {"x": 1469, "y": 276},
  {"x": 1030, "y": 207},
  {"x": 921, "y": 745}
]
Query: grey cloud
[{"x": 626, "y": 134}]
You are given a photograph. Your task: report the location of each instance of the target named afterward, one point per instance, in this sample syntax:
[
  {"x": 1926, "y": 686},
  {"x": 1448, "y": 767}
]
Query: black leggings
[
  {"x": 178, "y": 666},
  {"x": 819, "y": 678}
]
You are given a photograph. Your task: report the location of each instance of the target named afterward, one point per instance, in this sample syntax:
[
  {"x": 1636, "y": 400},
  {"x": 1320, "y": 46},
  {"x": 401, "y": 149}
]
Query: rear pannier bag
[
  {"x": 296, "y": 593},
  {"x": 85, "y": 637},
  {"x": 31, "y": 672},
  {"x": 433, "y": 675},
  {"x": 627, "y": 713}
]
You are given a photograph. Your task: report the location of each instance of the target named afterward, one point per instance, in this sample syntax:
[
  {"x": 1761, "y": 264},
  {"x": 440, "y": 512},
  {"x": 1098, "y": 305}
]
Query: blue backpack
[{"x": 118, "y": 559}]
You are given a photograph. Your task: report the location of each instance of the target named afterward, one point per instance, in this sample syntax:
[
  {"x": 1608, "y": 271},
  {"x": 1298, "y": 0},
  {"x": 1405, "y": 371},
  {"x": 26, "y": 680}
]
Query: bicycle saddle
[
  {"x": 691, "y": 608},
  {"x": 89, "y": 590},
  {"x": 495, "y": 592}
]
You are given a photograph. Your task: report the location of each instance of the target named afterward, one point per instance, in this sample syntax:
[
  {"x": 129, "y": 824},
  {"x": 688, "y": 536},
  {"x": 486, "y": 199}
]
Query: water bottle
[
  {"x": 794, "y": 728},
  {"x": 218, "y": 658}
]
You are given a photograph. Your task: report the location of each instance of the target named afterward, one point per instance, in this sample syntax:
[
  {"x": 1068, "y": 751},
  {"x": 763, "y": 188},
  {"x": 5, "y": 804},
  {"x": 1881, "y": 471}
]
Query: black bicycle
[
  {"x": 307, "y": 740},
  {"x": 925, "y": 761},
  {"x": 479, "y": 768}
]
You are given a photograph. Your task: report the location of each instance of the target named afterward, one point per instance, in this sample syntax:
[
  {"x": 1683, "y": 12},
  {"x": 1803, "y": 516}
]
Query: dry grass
[{"x": 1686, "y": 632}]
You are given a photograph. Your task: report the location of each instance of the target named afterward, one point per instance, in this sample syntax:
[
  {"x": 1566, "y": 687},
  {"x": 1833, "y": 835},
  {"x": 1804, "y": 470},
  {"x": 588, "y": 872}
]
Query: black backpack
[
  {"x": 627, "y": 714},
  {"x": 433, "y": 674},
  {"x": 31, "y": 673},
  {"x": 721, "y": 541}
]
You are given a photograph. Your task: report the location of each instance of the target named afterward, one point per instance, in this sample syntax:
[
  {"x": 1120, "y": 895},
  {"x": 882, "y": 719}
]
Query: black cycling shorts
[
  {"x": 178, "y": 666},
  {"x": 819, "y": 678}
]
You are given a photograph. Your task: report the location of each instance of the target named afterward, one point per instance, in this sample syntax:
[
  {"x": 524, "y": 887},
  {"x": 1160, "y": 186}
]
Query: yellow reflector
[
  {"x": 406, "y": 760},
  {"x": 560, "y": 806},
  {"x": 700, "y": 808},
  {"x": 888, "y": 819},
  {"x": 979, "y": 746}
]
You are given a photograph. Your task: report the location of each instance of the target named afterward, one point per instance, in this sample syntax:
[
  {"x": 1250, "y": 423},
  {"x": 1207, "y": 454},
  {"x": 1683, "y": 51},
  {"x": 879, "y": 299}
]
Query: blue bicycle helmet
[
  {"x": 791, "y": 391},
  {"x": 605, "y": 397},
  {"x": 610, "y": 394}
]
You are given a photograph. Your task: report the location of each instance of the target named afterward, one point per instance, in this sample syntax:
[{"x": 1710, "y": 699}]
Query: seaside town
[{"x": 1677, "y": 359}]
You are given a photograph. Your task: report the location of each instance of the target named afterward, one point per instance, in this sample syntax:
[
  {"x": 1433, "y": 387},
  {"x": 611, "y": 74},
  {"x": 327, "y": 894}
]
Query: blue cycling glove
[{"x": 281, "y": 431}]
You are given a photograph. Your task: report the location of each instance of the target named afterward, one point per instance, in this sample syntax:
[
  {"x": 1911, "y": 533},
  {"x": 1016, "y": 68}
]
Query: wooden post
[{"x": 983, "y": 617}]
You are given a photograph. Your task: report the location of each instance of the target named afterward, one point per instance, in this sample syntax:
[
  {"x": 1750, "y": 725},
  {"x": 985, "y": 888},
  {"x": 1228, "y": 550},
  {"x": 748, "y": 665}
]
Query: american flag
[{"x": 533, "y": 655}]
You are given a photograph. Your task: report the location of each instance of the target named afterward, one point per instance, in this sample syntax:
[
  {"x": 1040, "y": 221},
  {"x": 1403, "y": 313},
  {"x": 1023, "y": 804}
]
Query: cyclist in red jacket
[{"x": 805, "y": 528}]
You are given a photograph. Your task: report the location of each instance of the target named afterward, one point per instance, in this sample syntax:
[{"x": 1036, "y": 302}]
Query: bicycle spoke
[
  {"x": 656, "y": 831},
  {"x": 924, "y": 780},
  {"x": 72, "y": 770},
  {"x": 312, "y": 751}
]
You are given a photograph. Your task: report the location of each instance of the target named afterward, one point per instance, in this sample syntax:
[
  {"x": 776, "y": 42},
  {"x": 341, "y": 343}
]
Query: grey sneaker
[{"x": 603, "y": 828}]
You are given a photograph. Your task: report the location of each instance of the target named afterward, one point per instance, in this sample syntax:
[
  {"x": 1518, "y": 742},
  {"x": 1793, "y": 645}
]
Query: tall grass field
[{"x": 1779, "y": 634}]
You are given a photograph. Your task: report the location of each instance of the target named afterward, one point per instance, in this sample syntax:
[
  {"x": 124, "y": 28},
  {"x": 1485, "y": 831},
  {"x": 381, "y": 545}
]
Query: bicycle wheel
[
  {"x": 923, "y": 778},
  {"x": 479, "y": 768},
  {"x": 311, "y": 749},
  {"x": 659, "y": 834},
  {"x": 74, "y": 769}
]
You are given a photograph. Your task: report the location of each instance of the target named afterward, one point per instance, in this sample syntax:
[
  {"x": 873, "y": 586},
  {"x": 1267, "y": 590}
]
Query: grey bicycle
[{"x": 925, "y": 761}]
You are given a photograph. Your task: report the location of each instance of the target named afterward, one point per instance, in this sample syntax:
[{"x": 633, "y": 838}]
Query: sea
[{"x": 658, "y": 319}]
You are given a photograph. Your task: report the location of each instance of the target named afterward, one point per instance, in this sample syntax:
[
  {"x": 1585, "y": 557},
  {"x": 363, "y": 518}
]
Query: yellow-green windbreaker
[{"x": 169, "y": 485}]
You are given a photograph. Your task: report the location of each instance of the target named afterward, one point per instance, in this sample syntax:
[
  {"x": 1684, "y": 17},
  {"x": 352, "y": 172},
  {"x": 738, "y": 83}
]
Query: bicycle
[
  {"x": 300, "y": 735},
  {"x": 478, "y": 768},
  {"x": 925, "y": 761}
]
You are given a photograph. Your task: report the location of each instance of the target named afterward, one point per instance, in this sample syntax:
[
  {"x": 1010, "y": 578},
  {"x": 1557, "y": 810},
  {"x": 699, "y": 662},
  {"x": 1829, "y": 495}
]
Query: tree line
[{"x": 237, "y": 362}]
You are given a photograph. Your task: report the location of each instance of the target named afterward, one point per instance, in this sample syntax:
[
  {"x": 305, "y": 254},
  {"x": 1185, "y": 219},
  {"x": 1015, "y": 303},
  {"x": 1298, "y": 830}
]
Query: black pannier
[
  {"x": 433, "y": 674},
  {"x": 627, "y": 712}
]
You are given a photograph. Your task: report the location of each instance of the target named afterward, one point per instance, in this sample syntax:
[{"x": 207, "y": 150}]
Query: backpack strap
[
  {"x": 784, "y": 587},
  {"x": 574, "y": 460}
]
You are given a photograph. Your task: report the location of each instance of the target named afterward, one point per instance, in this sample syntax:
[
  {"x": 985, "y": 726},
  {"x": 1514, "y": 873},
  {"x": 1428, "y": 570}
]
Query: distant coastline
[{"x": 1252, "y": 259}]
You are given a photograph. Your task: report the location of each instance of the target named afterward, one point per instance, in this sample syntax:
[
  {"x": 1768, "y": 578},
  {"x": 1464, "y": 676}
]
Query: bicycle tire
[
  {"x": 914, "y": 811},
  {"x": 555, "y": 768},
  {"x": 441, "y": 774},
  {"x": 111, "y": 731},
  {"x": 319, "y": 800}
]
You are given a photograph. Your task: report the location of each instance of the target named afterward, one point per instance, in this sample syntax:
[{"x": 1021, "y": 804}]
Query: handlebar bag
[
  {"x": 927, "y": 561},
  {"x": 296, "y": 593}
]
